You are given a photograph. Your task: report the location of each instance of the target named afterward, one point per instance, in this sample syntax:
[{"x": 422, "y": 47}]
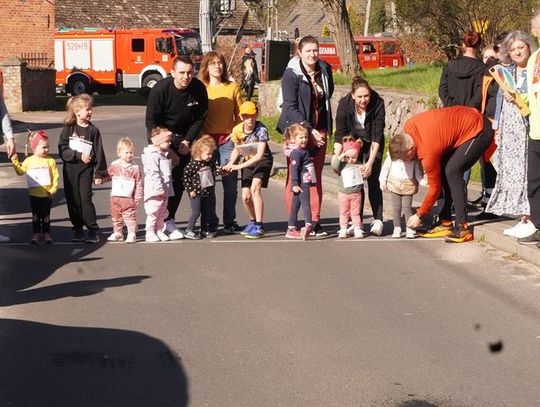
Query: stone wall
[{"x": 400, "y": 105}]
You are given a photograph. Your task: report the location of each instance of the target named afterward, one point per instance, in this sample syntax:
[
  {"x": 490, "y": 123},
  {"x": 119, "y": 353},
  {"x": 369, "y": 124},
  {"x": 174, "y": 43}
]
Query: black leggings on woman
[
  {"x": 374, "y": 187},
  {"x": 453, "y": 166}
]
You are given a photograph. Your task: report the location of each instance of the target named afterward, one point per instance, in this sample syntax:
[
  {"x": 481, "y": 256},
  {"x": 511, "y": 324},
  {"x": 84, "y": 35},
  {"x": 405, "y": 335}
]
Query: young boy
[{"x": 251, "y": 142}]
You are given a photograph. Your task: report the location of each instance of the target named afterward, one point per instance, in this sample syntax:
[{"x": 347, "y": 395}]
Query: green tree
[{"x": 356, "y": 20}]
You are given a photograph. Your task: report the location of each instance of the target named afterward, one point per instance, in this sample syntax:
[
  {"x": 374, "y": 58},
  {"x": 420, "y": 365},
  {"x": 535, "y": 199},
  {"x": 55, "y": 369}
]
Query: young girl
[
  {"x": 126, "y": 192},
  {"x": 157, "y": 183},
  {"x": 350, "y": 186},
  {"x": 199, "y": 182},
  {"x": 401, "y": 178},
  {"x": 251, "y": 141},
  {"x": 302, "y": 178},
  {"x": 42, "y": 176},
  {"x": 81, "y": 149}
]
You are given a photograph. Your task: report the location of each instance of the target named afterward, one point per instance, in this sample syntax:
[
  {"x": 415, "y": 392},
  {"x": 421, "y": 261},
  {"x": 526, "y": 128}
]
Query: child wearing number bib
[
  {"x": 42, "y": 176},
  {"x": 199, "y": 182},
  {"x": 401, "y": 178},
  {"x": 126, "y": 192},
  {"x": 350, "y": 187}
]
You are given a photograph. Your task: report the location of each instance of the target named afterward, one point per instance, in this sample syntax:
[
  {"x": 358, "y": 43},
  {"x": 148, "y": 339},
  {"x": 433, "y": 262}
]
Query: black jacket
[
  {"x": 374, "y": 122},
  {"x": 461, "y": 82}
]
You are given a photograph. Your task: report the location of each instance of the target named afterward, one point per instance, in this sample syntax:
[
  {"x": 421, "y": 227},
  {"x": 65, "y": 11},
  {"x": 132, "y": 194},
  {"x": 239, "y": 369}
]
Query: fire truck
[{"x": 95, "y": 59}]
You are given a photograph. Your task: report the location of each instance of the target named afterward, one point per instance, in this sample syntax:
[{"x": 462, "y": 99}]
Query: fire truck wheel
[
  {"x": 78, "y": 85},
  {"x": 150, "y": 80}
]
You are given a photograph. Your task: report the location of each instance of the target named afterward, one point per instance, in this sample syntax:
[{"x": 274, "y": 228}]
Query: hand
[
  {"x": 319, "y": 138},
  {"x": 228, "y": 137},
  {"x": 137, "y": 202},
  {"x": 86, "y": 159},
  {"x": 184, "y": 149},
  {"x": 510, "y": 97},
  {"x": 14, "y": 157},
  {"x": 296, "y": 189},
  {"x": 414, "y": 221},
  {"x": 11, "y": 148},
  {"x": 175, "y": 160},
  {"x": 366, "y": 171},
  {"x": 383, "y": 186},
  {"x": 98, "y": 181},
  {"x": 192, "y": 194}
]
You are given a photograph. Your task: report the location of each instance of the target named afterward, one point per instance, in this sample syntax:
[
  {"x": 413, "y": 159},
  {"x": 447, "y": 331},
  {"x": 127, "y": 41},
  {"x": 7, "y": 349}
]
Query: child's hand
[
  {"x": 192, "y": 194},
  {"x": 98, "y": 181},
  {"x": 86, "y": 158},
  {"x": 15, "y": 158},
  {"x": 184, "y": 149},
  {"x": 175, "y": 160},
  {"x": 227, "y": 168},
  {"x": 296, "y": 189}
]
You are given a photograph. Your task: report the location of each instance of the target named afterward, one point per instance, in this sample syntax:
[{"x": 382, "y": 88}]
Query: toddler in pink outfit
[
  {"x": 157, "y": 183},
  {"x": 126, "y": 192}
]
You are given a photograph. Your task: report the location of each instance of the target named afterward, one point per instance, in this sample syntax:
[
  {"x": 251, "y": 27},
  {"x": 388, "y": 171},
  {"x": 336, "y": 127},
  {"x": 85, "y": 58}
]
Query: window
[
  {"x": 137, "y": 45},
  {"x": 368, "y": 49},
  {"x": 388, "y": 48}
]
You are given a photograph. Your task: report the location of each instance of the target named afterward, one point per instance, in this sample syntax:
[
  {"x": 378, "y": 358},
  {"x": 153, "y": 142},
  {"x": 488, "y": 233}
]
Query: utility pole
[
  {"x": 205, "y": 25},
  {"x": 366, "y": 24}
]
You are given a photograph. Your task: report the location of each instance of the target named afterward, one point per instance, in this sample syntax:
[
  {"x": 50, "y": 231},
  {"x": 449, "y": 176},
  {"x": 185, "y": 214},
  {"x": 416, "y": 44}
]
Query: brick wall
[{"x": 27, "y": 26}]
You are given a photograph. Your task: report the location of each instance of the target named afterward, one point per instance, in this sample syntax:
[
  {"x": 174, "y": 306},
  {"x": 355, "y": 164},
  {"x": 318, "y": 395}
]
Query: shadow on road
[{"x": 50, "y": 365}]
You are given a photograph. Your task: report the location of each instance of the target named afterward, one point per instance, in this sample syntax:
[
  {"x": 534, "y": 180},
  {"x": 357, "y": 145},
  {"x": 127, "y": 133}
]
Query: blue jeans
[{"x": 230, "y": 183}]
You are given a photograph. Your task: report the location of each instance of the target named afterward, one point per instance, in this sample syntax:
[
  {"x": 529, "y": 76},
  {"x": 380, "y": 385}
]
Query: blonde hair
[
  {"x": 74, "y": 104},
  {"x": 203, "y": 143},
  {"x": 293, "y": 130},
  {"x": 398, "y": 147},
  {"x": 29, "y": 137},
  {"x": 124, "y": 142}
]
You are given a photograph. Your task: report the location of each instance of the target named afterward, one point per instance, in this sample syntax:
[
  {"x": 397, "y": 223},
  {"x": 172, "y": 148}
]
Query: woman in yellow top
[
  {"x": 42, "y": 176},
  {"x": 224, "y": 100}
]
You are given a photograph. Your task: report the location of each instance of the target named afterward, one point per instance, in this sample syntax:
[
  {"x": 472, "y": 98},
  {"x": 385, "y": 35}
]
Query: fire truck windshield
[{"x": 188, "y": 45}]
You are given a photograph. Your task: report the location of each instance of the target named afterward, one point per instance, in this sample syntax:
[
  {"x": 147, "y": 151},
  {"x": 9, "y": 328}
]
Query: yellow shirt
[
  {"x": 34, "y": 163},
  {"x": 224, "y": 102}
]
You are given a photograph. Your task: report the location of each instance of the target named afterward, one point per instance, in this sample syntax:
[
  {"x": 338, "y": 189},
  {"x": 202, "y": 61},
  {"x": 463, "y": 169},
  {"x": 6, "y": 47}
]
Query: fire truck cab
[{"x": 93, "y": 59}]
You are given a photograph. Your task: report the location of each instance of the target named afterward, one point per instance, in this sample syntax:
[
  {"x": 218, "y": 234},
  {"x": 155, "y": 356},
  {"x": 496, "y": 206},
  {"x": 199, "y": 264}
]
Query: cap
[{"x": 248, "y": 108}]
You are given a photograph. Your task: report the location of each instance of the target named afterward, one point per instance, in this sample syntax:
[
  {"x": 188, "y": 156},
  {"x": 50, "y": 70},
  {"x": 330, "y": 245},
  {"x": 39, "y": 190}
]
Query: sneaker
[
  {"x": 533, "y": 238},
  {"x": 131, "y": 237},
  {"x": 116, "y": 237},
  {"x": 526, "y": 229},
  {"x": 231, "y": 228},
  {"x": 4, "y": 239},
  {"x": 93, "y": 237},
  {"x": 396, "y": 234},
  {"x": 248, "y": 228},
  {"x": 305, "y": 232},
  {"x": 210, "y": 234},
  {"x": 342, "y": 234},
  {"x": 318, "y": 230},
  {"x": 460, "y": 234},
  {"x": 376, "y": 227},
  {"x": 191, "y": 235},
  {"x": 151, "y": 237},
  {"x": 511, "y": 231},
  {"x": 162, "y": 236},
  {"x": 441, "y": 229},
  {"x": 36, "y": 238},
  {"x": 170, "y": 229},
  {"x": 410, "y": 234},
  {"x": 293, "y": 233},
  {"x": 47, "y": 238},
  {"x": 358, "y": 233},
  {"x": 256, "y": 233},
  {"x": 78, "y": 235},
  {"x": 350, "y": 230}
]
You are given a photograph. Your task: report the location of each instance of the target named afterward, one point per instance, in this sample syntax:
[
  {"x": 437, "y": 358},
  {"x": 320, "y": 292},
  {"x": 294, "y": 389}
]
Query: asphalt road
[{"x": 231, "y": 322}]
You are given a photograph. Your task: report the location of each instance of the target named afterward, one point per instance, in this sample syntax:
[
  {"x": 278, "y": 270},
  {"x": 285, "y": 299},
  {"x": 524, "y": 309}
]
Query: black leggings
[
  {"x": 453, "y": 166},
  {"x": 374, "y": 187},
  {"x": 41, "y": 214},
  {"x": 205, "y": 207},
  {"x": 300, "y": 199}
]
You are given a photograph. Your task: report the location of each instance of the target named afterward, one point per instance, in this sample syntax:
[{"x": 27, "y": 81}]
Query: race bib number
[
  {"x": 80, "y": 145},
  {"x": 38, "y": 177},
  {"x": 206, "y": 177},
  {"x": 122, "y": 186},
  {"x": 351, "y": 176},
  {"x": 248, "y": 150}
]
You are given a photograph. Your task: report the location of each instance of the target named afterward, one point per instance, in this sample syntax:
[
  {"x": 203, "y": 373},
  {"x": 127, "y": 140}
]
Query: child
[
  {"x": 157, "y": 183},
  {"x": 199, "y": 182},
  {"x": 81, "y": 149},
  {"x": 401, "y": 178},
  {"x": 42, "y": 176},
  {"x": 251, "y": 141},
  {"x": 350, "y": 186},
  {"x": 302, "y": 177},
  {"x": 126, "y": 192}
]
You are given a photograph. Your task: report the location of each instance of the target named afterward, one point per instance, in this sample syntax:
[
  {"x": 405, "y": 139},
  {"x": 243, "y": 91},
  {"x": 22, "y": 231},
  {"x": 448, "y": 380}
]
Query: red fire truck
[{"x": 93, "y": 59}]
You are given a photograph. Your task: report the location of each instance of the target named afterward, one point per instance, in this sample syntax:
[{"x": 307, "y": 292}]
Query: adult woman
[
  {"x": 307, "y": 86},
  {"x": 361, "y": 114},
  {"x": 224, "y": 100},
  {"x": 509, "y": 197}
]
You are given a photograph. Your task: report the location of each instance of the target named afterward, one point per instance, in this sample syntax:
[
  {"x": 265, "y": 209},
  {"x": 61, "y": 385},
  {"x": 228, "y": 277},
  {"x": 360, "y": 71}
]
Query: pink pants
[
  {"x": 156, "y": 212},
  {"x": 349, "y": 206},
  {"x": 123, "y": 209}
]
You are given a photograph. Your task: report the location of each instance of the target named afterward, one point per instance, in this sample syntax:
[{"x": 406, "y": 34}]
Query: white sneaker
[
  {"x": 131, "y": 237},
  {"x": 526, "y": 229},
  {"x": 176, "y": 235},
  {"x": 358, "y": 233},
  {"x": 512, "y": 230},
  {"x": 4, "y": 239},
  {"x": 151, "y": 237},
  {"x": 162, "y": 236},
  {"x": 410, "y": 233},
  {"x": 350, "y": 230},
  {"x": 342, "y": 234},
  {"x": 396, "y": 234},
  {"x": 376, "y": 227},
  {"x": 116, "y": 237},
  {"x": 172, "y": 231}
]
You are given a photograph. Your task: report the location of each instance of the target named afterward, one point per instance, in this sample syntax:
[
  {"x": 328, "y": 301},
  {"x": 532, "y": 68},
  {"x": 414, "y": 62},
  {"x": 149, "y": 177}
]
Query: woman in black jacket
[{"x": 361, "y": 114}]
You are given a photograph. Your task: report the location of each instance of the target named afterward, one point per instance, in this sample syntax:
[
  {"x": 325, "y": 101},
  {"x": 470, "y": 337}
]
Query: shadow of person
[
  {"x": 50, "y": 365},
  {"x": 72, "y": 289}
]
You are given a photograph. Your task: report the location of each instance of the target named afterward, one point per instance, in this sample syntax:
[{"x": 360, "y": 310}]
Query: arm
[
  {"x": 100, "y": 160},
  {"x": 342, "y": 124},
  {"x": 152, "y": 171},
  {"x": 7, "y": 129},
  {"x": 237, "y": 99},
  {"x": 230, "y": 166},
  {"x": 139, "y": 191},
  {"x": 67, "y": 154},
  {"x": 296, "y": 162},
  {"x": 443, "y": 87},
  {"x": 20, "y": 168},
  {"x": 432, "y": 168},
  {"x": 418, "y": 172},
  {"x": 54, "y": 175},
  {"x": 385, "y": 171},
  {"x": 336, "y": 164},
  {"x": 261, "y": 148},
  {"x": 290, "y": 107},
  {"x": 154, "y": 111},
  {"x": 200, "y": 115},
  {"x": 190, "y": 172}
]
